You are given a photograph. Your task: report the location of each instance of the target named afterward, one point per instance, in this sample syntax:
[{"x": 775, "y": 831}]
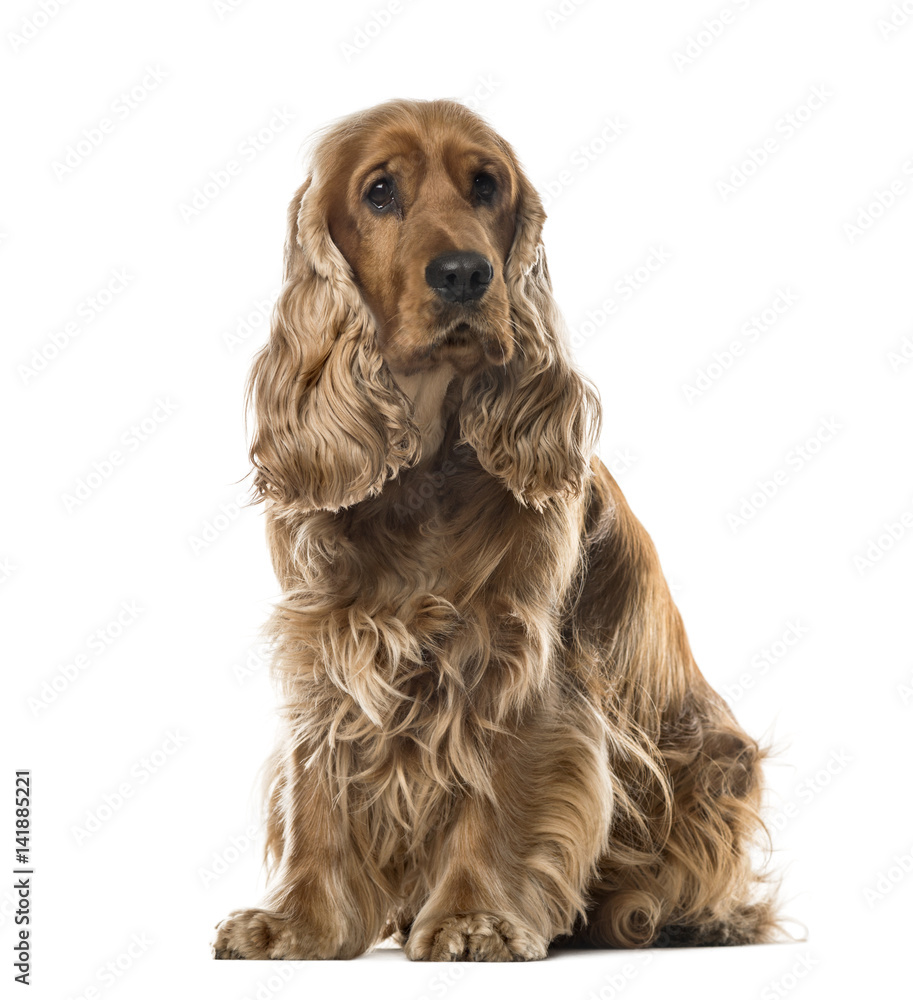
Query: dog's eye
[
  {"x": 380, "y": 194},
  {"x": 484, "y": 187}
]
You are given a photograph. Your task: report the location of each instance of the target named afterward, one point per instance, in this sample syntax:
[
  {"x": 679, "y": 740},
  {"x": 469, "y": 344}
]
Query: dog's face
[{"x": 424, "y": 212}]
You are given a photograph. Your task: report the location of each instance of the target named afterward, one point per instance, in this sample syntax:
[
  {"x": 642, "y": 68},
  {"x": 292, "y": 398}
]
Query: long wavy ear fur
[
  {"x": 534, "y": 421},
  {"x": 331, "y": 425}
]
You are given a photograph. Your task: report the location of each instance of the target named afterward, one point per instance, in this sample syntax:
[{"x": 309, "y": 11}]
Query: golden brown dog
[{"x": 494, "y": 734}]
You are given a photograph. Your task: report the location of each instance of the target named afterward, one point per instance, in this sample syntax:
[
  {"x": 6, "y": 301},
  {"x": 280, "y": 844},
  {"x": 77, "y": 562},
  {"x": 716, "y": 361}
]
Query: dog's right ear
[{"x": 331, "y": 425}]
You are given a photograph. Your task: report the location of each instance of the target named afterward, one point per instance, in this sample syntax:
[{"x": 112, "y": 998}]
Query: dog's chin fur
[{"x": 494, "y": 735}]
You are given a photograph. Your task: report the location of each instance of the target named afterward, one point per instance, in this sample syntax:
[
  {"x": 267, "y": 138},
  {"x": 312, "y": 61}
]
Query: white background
[{"x": 160, "y": 542}]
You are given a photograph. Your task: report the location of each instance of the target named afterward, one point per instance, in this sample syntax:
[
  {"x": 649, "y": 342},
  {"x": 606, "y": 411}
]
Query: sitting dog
[{"x": 493, "y": 732}]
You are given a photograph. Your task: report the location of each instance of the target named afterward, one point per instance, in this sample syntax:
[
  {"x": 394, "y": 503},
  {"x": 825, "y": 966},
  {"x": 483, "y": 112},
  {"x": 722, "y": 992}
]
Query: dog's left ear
[{"x": 534, "y": 421}]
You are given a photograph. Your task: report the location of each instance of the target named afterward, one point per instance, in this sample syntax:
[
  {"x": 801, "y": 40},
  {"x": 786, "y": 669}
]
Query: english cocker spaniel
[{"x": 493, "y": 735}]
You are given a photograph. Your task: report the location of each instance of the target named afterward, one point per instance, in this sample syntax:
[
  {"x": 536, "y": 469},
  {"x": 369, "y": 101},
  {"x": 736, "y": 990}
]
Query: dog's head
[
  {"x": 422, "y": 200},
  {"x": 414, "y": 247}
]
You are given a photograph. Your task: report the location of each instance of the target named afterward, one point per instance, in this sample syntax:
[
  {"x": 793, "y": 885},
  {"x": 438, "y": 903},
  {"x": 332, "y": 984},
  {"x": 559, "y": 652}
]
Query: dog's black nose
[{"x": 459, "y": 276}]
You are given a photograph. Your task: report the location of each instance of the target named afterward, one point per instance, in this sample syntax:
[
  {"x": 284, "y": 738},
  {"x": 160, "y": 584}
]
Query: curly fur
[{"x": 494, "y": 735}]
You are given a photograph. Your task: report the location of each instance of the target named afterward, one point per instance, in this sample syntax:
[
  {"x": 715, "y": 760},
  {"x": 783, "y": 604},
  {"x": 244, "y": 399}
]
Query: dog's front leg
[
  {"x": 511, "y": 872},
  {"x": 322, "y": 903}
]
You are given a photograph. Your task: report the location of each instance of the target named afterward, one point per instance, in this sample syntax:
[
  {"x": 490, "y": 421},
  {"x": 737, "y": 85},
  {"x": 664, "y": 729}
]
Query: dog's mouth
[
  {"x": 465, "y": 341},
  {"x": 468, "y": 341}
]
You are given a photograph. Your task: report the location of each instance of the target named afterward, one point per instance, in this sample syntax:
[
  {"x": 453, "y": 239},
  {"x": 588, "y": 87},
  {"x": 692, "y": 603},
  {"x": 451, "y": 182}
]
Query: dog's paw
[
  {"x": 254, "y": 934},
  {"x": 474, "y": 937}
]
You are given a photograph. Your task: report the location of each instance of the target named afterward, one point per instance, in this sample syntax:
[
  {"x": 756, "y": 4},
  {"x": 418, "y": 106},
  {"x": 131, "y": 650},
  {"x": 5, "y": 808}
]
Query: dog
[{"x": 493, "y": 736}]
